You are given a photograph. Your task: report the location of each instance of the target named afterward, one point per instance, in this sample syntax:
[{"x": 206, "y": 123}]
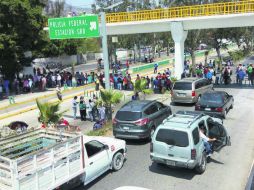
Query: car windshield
[
  {"x": 128, "y": 115},
  {"x": 182, "y": 86},
  {"x": 211, "y": 99},
  {"x": 173, "y": 137}
]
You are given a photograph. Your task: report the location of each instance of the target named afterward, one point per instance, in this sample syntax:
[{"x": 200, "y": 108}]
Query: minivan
[{"x": 189, "y": 90}]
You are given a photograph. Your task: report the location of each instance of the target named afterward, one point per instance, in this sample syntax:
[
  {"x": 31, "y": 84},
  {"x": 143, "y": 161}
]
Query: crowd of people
[
  {"x": 89, "y": 110},
  {"x": 43, "y": 79}
]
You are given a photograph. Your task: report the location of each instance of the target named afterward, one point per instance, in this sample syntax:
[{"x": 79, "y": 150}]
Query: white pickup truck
[{"x": 47, "y": 159}]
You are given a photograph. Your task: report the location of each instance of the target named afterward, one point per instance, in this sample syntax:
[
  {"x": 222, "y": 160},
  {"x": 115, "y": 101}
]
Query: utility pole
[{"x": 105, "y": 49}]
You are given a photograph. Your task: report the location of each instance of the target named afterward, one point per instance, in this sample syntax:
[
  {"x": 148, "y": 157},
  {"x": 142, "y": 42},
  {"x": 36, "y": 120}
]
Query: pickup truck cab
[
  {"x": 101, "y": 155},
  {"x": 46, "y": 159}
]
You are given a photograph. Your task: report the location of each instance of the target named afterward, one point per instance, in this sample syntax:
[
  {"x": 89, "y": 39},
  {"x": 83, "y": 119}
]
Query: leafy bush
[{"x": 238, "y": 55}]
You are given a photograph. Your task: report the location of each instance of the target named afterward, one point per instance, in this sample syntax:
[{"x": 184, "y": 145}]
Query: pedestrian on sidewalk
[
  {"x": 90, "y": 106},
  {"x": 82, "y": 109},
  {"x": 1, "y": 90},
  {"x": 75, "y": 107},
  {"x": 241, "y": 75},
  {"x": 102, "y": 113},
  {"x": 6, "y": 87}
]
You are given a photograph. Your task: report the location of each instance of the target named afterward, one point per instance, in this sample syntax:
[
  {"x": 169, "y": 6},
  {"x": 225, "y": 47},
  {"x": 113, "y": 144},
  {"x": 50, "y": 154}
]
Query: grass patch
[{"x": 101, "y": 132}]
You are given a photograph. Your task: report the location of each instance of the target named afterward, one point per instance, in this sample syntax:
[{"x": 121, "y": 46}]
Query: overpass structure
[{"x": 179, "y": 20}]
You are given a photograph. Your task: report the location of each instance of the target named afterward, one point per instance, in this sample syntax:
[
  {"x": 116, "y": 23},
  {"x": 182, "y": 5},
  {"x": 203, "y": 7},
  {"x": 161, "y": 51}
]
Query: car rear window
[
  {"x": 183, "y": 86},
  {"x": 128, "y": 115},
  {"x": 211, "y": 99},
  {"x": 173, "y": 137}
]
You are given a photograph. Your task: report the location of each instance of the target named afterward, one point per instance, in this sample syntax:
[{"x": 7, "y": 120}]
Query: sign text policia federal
[{"x": 74, "y": 27}]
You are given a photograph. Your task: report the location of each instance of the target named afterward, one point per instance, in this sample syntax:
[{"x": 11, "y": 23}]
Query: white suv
[{"x": 176, "y": 142}]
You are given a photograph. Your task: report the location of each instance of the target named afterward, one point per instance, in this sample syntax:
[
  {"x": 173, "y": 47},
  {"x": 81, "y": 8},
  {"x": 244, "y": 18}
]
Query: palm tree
[
  {"x": 109, "y": 97},
  {"x": 49, "y": 112},
  {"x": 141, "y": 86}
]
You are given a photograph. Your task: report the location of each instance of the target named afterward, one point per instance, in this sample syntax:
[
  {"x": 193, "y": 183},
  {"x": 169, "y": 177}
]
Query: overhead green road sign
[{"x": 74, "y": 27}]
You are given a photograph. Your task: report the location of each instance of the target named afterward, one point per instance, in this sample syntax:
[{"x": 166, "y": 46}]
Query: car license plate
[
  {"x": 170, "y": 163},
  {"x": 181, "y": 95},
  {"x": 126, "y": 128},
  {"x": 208, "y": 109}
]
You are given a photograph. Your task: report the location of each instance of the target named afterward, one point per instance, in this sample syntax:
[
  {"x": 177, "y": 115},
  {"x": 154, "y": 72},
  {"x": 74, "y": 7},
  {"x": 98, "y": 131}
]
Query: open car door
[{"x": 218, "y": 131}]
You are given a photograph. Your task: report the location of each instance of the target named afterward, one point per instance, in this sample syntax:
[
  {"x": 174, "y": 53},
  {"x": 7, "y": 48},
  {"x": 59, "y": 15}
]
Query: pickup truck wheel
[
  {"x": 201, "y": 167},
  {"x": 117, "y": 162}
]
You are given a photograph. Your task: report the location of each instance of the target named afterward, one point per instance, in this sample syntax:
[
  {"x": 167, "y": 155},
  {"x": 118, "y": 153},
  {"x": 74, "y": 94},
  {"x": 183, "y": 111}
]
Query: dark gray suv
[{"x": 139, "y": 119}]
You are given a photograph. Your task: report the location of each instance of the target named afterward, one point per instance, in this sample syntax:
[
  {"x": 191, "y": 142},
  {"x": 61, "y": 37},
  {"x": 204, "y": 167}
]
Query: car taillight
[
  {"x": 142, "y": 122},
  {"x": 151, "y": 147},
  {"x": 197, "y": 107},
  {"x": 219, "y": 109},
  {"x": 193, "y": 93},
  {"x": 193, "y": 154},
  {"x": 114, "y": 121}
]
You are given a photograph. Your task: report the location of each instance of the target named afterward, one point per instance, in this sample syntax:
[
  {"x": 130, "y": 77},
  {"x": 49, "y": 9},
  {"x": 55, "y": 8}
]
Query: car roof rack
[{"x": 192, "y": 116}]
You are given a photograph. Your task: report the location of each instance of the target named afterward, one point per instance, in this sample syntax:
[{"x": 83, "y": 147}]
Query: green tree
[
  {"x": 20, "y": 31},
  {"x": 49, "y": 112},
  {"x": 140, "y": 86},
  {"x": 109, "y": 97}
]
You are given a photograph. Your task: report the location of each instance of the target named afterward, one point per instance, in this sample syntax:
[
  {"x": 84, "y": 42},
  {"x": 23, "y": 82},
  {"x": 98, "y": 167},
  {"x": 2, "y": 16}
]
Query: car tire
[
  {"x": 201, "y": 167},
  {"x": 117, "y": 161},
  {"x": 224, "y": 114}
]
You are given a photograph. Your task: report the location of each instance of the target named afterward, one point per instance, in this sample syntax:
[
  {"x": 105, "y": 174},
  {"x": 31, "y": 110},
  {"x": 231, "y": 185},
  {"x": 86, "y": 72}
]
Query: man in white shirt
[
  {"x": 206, "y": 140},
  {"x": 75, "y": 107}
]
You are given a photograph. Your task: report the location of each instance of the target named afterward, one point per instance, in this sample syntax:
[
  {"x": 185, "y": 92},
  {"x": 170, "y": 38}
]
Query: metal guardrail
[{"x": 227, "y": 8}]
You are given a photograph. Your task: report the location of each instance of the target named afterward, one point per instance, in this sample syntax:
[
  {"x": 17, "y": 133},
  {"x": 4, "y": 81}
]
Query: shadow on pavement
[
  {"x": 214, "y": 161},
  {"x": 170, "y": 171},
  {"x": 234, "y": 86},
  {"x": 137, "y": 141},
  {"x": 181, "y": 104}
]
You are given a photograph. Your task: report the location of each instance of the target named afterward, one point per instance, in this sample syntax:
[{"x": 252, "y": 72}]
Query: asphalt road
[{"x": 228, "y": 169}]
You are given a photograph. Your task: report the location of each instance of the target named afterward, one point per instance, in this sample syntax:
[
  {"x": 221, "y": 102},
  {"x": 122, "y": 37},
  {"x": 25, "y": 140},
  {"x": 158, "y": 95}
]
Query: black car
[
  {"x": 215, "y": 103},
  {"x": 139, "y": 119}
]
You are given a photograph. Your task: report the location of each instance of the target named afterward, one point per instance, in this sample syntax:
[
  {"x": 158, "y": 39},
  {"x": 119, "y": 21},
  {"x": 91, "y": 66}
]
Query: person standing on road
[
  {"x": 249, "y": 72},
  {"x": 59, "y": 78},
  {"x": 82, "y": 109},
  {"x": 90, "y": 106},
  {"x": 155, "y": 68},
  {"x": 74, "y": 107},
  {"x": 241, "y": 75}
]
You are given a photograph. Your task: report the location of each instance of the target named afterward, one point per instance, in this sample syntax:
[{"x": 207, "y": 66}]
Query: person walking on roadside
[
  {"x": 249, "y": 72},
  {"x": 75, "y": 107},
  {"x": 82, "y": 109}
]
